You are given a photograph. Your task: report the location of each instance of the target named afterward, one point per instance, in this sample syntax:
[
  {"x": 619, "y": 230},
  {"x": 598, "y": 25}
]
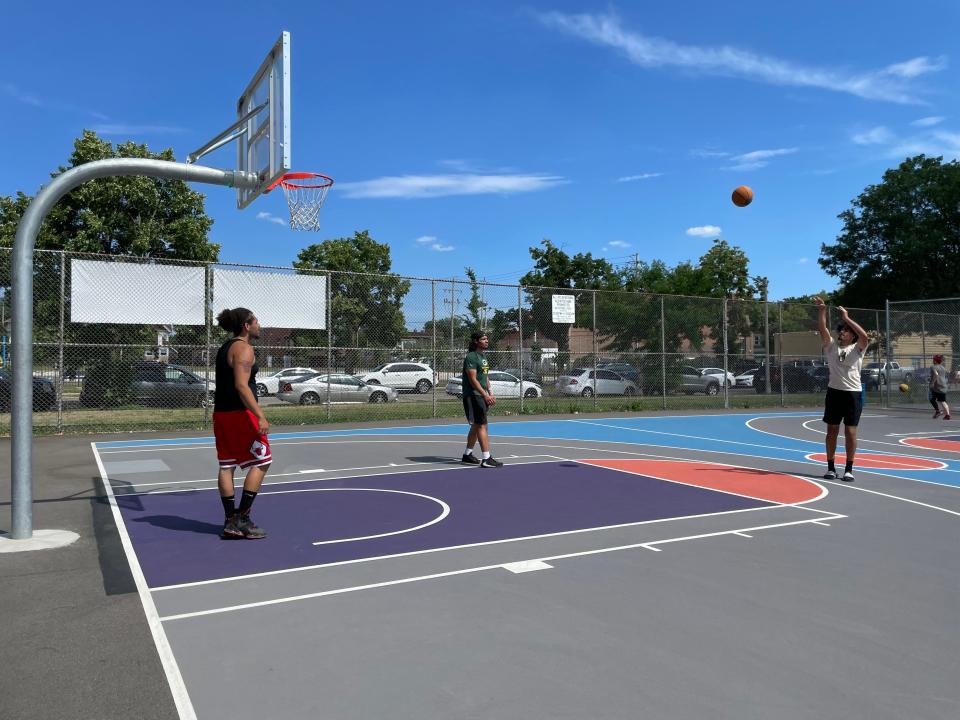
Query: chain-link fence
[
  {"x": 919, "y": 330},
  {"x": 385, "y": 347}
]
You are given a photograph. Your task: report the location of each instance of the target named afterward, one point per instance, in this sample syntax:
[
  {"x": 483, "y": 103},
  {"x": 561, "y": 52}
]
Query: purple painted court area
[{"x": 176, "y": 535}]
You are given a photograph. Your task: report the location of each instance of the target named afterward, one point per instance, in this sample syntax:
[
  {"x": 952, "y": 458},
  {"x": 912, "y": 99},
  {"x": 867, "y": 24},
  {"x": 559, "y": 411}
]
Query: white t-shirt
[{"x": 844, "y": 364}]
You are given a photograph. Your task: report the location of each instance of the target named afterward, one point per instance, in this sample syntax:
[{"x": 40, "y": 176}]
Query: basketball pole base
[{"x": 41, "y": 540}]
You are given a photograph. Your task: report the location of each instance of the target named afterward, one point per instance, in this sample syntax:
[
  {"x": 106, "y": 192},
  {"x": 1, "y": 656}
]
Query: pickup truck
[{"x": 875, "y": 374}]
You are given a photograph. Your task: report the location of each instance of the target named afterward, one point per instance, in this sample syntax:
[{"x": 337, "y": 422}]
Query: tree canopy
[
  {"x": 366, "y": 305},
  {"x": 901, "y": 237}
]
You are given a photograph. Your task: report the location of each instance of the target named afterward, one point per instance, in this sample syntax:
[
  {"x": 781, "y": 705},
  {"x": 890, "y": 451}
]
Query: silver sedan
[{"x": 313, "y": 390}]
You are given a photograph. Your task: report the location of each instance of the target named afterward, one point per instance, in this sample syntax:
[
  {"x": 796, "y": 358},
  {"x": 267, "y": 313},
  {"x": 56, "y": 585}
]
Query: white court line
[
  {"x": 375, "y": 431},
  {"x": 860, "y": 441},
  {"x": 285, "y": 571},
  {"x": 178, "y": 688},
  {"x": 358, "y": 561},
  {"x": 932, "y": 433},
  {"x": 824, "y": 492},
  {"x": 901, "y": 465},
  {"x": 452, "y": 573},
  {"x": 444, "y": 512},
  {"x": 326, "y": 477}
]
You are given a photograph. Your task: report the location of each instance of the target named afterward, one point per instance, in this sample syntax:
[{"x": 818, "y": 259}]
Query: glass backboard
[{"x": 264, "y": 148}]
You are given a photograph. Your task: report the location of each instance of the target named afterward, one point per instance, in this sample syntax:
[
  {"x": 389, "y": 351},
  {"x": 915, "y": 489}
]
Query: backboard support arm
[
  {"x": 21, "y": 425},
  {"x": 228, "y": 135}
]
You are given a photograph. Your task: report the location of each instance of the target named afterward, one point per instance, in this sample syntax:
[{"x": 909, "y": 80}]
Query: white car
[
  {"x": 586, "y": 382},
  {"x": 313, "y": 390},
  {"x": 719, "y": 374},
  {"x": 502, "y": 385},
  {"x": 745, "y": 379},
  {"x": 270, "y": 384},
  {"x": 402, "y": 376}
]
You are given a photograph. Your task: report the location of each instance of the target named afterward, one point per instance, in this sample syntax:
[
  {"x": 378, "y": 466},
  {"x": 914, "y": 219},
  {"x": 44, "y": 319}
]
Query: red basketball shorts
[{"x": 239, "y": 442}]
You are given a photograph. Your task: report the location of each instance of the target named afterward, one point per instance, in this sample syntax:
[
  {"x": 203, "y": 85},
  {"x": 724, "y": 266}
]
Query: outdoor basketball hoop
[{"x": 305, "y": 195}]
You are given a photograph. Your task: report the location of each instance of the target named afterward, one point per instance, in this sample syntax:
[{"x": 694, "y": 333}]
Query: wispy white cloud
[
  {"x": 803, "y": 261},
  {"x": 121, "y": 129},
  {"x": 619, "y": 244},
  {"x": 27, "y": 98},
  {"x": 708, "y": 153},
  {"x": 889, "y": 84},
  {"x": 916, "y": 67},
  {"x": 704, "y": 231},
  {"x": 643, "y": 176},
  {"x": 430, "y": 186},
  {"x": 758, "y": 158},
  {"x": 426, "y": 239},
  {"x": 438, "y": 247},
  {"x": 928, "y": 121},
  {"x": 879, "y": 135},
  {"x": 269, "y": 217},
  {"x": 20, "y": 96}
]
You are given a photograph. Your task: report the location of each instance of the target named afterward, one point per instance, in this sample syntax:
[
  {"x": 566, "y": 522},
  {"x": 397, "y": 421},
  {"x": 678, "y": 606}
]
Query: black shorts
[
  {"x": 843, "y": 405},
  {"x": 475, "y": 408},
  {"x": 939, "y": 396}
]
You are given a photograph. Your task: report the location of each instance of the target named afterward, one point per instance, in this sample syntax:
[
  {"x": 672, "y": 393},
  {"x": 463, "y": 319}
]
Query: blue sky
[{"x": 463, "y": 133}]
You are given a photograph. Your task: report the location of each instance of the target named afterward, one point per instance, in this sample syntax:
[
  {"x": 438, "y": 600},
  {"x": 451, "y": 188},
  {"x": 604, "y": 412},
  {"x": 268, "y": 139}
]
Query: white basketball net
[{"x": 305, "y": 197}]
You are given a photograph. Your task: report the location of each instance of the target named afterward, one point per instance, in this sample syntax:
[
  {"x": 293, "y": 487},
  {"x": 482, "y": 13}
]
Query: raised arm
[
  {"x": 863, "y": 340},
  {"x": 822, "y": 320}
]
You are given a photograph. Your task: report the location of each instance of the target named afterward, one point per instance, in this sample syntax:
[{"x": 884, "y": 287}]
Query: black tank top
[{"x": 226, "y": 397}]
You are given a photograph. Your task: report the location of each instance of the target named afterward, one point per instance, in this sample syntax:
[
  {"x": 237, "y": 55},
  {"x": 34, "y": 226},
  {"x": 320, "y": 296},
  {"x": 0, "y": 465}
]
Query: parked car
[
  {"x": 626, "y": 370},
  {"x": 44, "y": 393},
  {"x": 502, "y": 384},
  {"x": 587, "y": 382},
  {"x": 270, "y": 384},
  {"x": 694, "y": 380},
  {"x": 146, "y": 382},
  {"x": 528, "y": 375},
  {"x": 745, "y": 379},
  {"x": 402, "y": 376},
  {"x": 821, "y": 378},
  {"x": 875, "y": 374},
  {"x": 312, "y": 390},
  {"x": 720, "y": 374},
  {"x": 795, "y": 379}
]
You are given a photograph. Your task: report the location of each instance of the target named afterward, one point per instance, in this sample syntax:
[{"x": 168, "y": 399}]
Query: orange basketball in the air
[{"x": 742, "y": 196}]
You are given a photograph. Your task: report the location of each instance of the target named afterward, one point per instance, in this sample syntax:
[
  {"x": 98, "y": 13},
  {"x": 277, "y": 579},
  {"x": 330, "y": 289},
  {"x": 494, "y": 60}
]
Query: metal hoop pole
[{"x": 21, "y": 425}]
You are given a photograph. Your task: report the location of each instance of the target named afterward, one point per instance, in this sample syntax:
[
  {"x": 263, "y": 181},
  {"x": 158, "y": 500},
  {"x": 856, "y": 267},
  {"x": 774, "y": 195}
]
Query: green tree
[
  {"x": 126, "y": 217},
  {"x": 366, "y": 306},
  {"x": 554, "y": 269},
  {"x": 901, "y": 237},
  {"x": 476, "y": 307}
]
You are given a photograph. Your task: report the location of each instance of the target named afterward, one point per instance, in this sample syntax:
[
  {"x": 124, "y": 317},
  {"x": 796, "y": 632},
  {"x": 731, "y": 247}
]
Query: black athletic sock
[
  {"x": 830, "y": 465},
  {"x": 849, "y": 466},
  {"x": 228, "y": 509},
  {"x": 246, "y": 501}
]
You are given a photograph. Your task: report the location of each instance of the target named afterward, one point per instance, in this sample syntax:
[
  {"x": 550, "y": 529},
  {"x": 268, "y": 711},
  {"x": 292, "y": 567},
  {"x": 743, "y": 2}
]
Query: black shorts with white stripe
[{"x": 475, "y": 408}]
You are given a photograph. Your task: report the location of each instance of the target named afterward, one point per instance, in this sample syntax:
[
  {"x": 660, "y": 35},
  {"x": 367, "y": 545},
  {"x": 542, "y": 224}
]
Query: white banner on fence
[
  {"x": 135, "y": 293},
  {"x": 277, "y": 299},
  {"x": 563, "y": 309}
]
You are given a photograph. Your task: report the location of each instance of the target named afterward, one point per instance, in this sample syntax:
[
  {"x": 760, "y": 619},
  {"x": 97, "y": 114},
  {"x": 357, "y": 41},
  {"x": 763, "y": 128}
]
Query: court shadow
[
  {"x": 434, "y": 459},
  {"x": 740, "y": 471},
  {"x": 181, "y": 524}
]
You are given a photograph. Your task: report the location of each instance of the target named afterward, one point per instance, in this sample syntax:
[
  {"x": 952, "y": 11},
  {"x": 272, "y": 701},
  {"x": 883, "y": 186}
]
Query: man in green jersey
[{"x": 476, "y": 399}]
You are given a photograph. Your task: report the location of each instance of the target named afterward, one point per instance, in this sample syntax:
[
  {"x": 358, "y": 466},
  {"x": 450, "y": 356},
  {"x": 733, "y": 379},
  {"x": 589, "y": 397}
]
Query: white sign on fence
[{"x": 563, "y": 309}]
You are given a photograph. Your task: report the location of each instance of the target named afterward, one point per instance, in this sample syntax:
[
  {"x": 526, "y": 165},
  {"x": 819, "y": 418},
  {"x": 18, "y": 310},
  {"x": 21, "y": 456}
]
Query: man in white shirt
[{"x": 844, "y": 401}]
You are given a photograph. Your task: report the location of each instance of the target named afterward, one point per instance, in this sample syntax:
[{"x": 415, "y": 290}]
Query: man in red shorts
[{"x": 239, "y": 424}]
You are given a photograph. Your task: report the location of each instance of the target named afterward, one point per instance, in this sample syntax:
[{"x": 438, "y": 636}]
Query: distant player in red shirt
[{"x": 239, "y": 424}]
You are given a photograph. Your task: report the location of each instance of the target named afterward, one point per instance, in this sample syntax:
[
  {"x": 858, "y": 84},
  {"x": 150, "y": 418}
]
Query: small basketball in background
[
  {"x": 742, "y": 196},
  {"x": 904, "y": 387}
]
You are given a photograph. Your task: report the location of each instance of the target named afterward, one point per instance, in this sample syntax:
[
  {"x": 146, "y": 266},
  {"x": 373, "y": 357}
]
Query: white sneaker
[
  {"x": 848, "y": 476},
  {"x": 830, "y": 475}
]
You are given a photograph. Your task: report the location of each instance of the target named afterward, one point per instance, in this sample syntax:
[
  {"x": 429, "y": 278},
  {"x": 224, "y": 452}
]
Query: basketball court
[
  {"x": 691, "y": 566},
  {"x": 688, "y": 566}
]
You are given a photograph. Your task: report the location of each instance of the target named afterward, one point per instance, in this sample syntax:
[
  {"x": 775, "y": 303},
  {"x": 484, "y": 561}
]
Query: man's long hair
[{"x": 475, "y": 340}]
